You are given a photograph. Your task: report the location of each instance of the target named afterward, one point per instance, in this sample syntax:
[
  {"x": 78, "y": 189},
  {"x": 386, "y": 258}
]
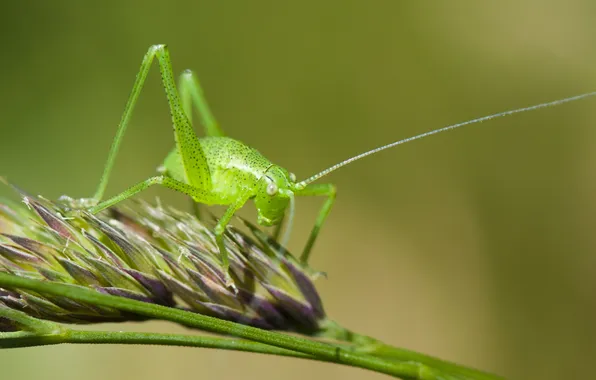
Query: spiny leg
[
  {"x": 327, "y": 190},
  {"x": 220, "y": 229},
  {"x": 193, "y": 158},
  {"x": 187, "y": 143},
  {"x": 192, "y": 93},
  {"x": 194, "y": 192}
]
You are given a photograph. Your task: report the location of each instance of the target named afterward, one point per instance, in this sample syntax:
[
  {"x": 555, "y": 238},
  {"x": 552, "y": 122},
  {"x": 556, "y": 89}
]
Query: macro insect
[{"x": 219, "y": 170}]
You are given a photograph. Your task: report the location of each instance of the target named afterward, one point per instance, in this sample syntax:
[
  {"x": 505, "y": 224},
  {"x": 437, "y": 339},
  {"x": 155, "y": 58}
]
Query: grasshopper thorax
[{"x": 274, "y": 192}]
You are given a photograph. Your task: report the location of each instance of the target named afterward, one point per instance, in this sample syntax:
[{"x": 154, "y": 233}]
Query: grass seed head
[{"x": 151, "y": 254}]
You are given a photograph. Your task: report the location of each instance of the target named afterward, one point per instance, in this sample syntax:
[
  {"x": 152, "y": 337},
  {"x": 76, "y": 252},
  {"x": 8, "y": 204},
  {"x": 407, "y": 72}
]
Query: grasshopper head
[{"x": 273, "y": 195}]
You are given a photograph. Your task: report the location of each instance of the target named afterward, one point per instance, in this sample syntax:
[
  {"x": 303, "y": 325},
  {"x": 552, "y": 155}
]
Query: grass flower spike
[{"x": 153, "y": 255}]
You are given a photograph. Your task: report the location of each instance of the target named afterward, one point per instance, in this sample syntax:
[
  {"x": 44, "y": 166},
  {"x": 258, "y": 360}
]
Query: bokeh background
[{"x": 477, "y": 246}]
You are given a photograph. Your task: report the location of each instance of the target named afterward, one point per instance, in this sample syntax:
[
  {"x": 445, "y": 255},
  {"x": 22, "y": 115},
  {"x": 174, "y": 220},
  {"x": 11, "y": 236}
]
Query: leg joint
[
  {"x": 332, "y": 190},
  {"x": 157, "y": 47},
  {"x": 219, "y": 229},
  {"x": 157, "y": 180}
]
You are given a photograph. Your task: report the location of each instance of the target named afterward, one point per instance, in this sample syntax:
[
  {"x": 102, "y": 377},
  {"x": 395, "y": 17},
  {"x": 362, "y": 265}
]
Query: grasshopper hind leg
[
  {"x": 191, "y": 94},
  {"x": 190, "y": 174}
]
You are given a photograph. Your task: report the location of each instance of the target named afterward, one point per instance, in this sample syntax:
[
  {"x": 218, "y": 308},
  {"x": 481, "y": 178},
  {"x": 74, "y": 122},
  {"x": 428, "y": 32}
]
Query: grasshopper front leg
[
  {"x": 324, "y": 189},
  {"x": 220, "y": 229}
]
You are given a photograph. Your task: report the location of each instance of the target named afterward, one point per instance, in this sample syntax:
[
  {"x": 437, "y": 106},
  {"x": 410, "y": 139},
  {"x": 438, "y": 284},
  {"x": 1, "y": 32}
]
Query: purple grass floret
[{"x": 52, "y": 220}]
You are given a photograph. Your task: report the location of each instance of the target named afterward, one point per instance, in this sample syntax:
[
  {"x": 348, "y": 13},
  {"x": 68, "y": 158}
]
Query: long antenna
[{"x": 440, "y": 130}]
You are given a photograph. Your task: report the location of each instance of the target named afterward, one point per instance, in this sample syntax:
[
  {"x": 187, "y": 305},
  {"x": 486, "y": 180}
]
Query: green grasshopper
[{"x": 218, "y": 170}]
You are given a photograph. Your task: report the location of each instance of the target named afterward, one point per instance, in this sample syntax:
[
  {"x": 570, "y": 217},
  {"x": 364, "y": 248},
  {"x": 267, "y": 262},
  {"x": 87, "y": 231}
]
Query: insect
[{"x": 219, "y": 170}]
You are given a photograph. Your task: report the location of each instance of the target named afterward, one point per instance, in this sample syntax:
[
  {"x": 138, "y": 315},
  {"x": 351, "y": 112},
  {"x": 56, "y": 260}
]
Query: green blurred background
[{"x": 476, "y": 246}]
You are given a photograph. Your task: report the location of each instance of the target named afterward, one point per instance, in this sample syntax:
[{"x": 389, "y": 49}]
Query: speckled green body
[
  {"x": 234, "y": 167},
  {"x": 236, "y": 171}
]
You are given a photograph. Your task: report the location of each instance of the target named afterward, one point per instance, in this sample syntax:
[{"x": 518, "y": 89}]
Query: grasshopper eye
[
  {"x": 292, "y": 177},
  {"x": 272, "y": 189}
]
